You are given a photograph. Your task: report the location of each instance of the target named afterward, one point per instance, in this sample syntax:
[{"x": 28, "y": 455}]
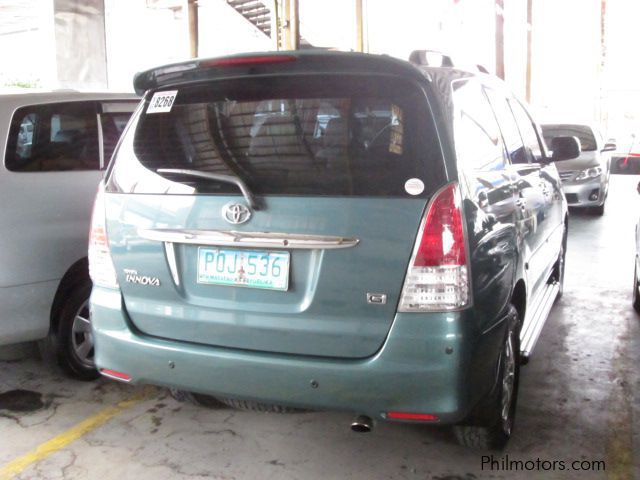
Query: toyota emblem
[{"x": 236, "y": 213}]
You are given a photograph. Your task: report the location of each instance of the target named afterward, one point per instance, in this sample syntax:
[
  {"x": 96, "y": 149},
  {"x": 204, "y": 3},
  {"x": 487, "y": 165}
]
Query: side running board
[{"x": 536, "y": 318}]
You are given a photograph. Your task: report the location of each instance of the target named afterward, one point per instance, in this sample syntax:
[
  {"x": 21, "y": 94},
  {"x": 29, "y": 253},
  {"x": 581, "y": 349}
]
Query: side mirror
[
  {"x": 609, "y": 147},
  {"x": 565, "y": 148}
]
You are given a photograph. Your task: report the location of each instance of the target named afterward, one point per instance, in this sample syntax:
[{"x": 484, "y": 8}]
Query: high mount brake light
[
  {"x": 247, "y": 61},
  {"x": 437, "y": 277}
]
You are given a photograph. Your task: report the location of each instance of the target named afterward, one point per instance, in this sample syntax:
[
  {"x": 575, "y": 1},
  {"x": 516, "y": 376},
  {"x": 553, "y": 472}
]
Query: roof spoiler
[{"x": 313, "y": 61}]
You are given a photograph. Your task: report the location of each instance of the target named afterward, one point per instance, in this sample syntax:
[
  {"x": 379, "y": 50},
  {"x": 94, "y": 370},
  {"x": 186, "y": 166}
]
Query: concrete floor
[{"x": 578, "y": 401}]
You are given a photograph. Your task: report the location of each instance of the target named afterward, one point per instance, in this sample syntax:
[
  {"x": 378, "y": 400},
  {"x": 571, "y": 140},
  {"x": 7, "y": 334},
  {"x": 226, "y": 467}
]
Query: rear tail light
[
  {"x": 437, "y": 277},
  {"x": 101, "y": 268}
]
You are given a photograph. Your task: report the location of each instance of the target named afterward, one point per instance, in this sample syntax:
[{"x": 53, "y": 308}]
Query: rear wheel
[
  {"x": 636, "y": 295},
  {"x": 74, "y": 348},
  {"x": 502, "y": 402}
]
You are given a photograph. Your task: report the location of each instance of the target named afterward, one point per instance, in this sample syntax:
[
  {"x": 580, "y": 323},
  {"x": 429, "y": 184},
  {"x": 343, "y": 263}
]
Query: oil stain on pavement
[{"x": 21, "y": 401}]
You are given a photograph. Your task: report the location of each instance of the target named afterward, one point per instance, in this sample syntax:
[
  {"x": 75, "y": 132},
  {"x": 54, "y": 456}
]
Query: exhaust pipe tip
[{"x": 362, "y": 424}]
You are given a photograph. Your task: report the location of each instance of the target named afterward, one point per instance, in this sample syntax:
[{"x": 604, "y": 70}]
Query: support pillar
[
  {"x": 500, "y": 38},
  {"x": 192, "y": 17},
  {"x": 529, "y": 48},
  {"x": 359, "y": 27}
]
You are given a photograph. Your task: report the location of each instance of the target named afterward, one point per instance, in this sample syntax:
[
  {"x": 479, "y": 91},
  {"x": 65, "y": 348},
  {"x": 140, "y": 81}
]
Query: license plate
[{"x": 243, "y": 268}]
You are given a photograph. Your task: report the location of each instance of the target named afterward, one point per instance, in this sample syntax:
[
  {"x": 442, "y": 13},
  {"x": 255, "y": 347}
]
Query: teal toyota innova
[{"x": 336, "y": 231}]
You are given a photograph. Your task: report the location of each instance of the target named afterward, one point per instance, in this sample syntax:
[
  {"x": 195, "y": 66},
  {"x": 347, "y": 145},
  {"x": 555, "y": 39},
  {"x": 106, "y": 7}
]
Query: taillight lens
[
  {"x": 101, "y": 268},
  {"x": 437, "y": 277}
]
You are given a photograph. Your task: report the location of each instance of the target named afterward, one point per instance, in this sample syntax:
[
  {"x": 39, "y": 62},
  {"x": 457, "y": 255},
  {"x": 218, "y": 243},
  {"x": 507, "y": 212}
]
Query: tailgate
[{"x": 341, "y": 170}]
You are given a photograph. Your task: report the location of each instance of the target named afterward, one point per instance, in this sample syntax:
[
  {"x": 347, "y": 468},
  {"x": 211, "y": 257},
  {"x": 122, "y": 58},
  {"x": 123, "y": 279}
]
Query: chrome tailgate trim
[{"x": 233, "y": 238}]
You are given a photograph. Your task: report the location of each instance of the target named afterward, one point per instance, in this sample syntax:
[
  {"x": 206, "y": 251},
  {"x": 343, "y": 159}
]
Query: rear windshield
[
  {"x": 313, "y": 135},
  {"x": 583, "y": 132}
]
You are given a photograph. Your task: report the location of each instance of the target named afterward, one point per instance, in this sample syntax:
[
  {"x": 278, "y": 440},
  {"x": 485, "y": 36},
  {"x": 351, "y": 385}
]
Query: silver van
[{"x": 54, "y": 148}]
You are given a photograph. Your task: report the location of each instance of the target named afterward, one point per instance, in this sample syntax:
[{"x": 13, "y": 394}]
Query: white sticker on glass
[
  {"x": 161, "y": 102},
  {"x": 414, "y": 186}
]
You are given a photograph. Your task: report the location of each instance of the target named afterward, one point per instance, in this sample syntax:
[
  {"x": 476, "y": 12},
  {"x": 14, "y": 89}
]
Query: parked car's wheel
[
  {"x": 636, "y": 295},
  {"x": 599, "y": 210},
  {"x": 559, "y": 267},
  {"x": 74, "y": 349},
  {"x": 502, "y": 403},
  {"x": 257, "y": 406}
]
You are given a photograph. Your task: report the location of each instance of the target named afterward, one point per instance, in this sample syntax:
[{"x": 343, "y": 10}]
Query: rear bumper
[
  {"x": 586, "y": 194},
  {"x": 412, "y": 372}
]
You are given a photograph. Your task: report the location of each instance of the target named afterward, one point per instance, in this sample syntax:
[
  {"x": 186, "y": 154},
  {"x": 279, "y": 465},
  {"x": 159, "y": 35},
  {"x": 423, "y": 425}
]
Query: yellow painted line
[
  {"x": 619, "y": 445},
  {"x": 58, "y": 442}
]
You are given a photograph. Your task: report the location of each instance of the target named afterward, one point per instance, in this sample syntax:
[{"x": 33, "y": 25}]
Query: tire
[
  {"x": 599, "y": 210},
  {"x": 257, "y": 406},
  {"x": 496, "y": 431},
  {"x": 636, "y": 296},
  {"x": 560, "y": 265},
  {"x": 73, "y": 343}
]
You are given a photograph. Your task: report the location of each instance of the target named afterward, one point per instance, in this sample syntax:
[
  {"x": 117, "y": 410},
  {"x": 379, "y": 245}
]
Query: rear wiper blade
[{"x": 238, "y": 182}]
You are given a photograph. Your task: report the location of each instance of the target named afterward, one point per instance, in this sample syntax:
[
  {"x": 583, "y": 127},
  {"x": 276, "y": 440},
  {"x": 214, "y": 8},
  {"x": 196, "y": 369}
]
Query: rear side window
[
  {"x": 509, "y": 128},
  {"x": 527, "y": 131},
  {"x": 53, "y": 137},
  {"x": 113, "y": 118},
  {"x": 477, "y": 136},
  {"x": 315, "y": 135},
  {"x": 584, "y": 133}
]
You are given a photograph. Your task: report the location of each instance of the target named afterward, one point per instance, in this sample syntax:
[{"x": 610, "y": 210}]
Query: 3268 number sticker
[{"x": 161, "y": 102}]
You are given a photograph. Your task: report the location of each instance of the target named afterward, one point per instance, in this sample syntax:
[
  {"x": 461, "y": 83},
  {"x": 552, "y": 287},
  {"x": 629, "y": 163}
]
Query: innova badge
[
  {"x": 236, "y": 213},
  {"x": 132, "y": 276}
]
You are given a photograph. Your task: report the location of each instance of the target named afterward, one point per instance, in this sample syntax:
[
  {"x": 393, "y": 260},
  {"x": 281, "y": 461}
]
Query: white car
[
  {"x": 585, "y": 180},
  {"x": 54, "y": 149}
]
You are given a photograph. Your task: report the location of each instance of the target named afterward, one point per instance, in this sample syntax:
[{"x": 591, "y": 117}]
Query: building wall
[
  {"x": 80, "y": 44},
  {"x": 27, "y": 45},
  {"x": 222, "y": 31},
  {"x": 141, "y": 35},
  {"x": 566, "y": 60}
]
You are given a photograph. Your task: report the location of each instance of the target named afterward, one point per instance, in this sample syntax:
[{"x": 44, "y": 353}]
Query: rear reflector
[
  {"x": 117, "y": 375},
  {"x": 423, "y": 417},
  {"x": 245, "y": 61},
  {"x": 437, "y": 277}
]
